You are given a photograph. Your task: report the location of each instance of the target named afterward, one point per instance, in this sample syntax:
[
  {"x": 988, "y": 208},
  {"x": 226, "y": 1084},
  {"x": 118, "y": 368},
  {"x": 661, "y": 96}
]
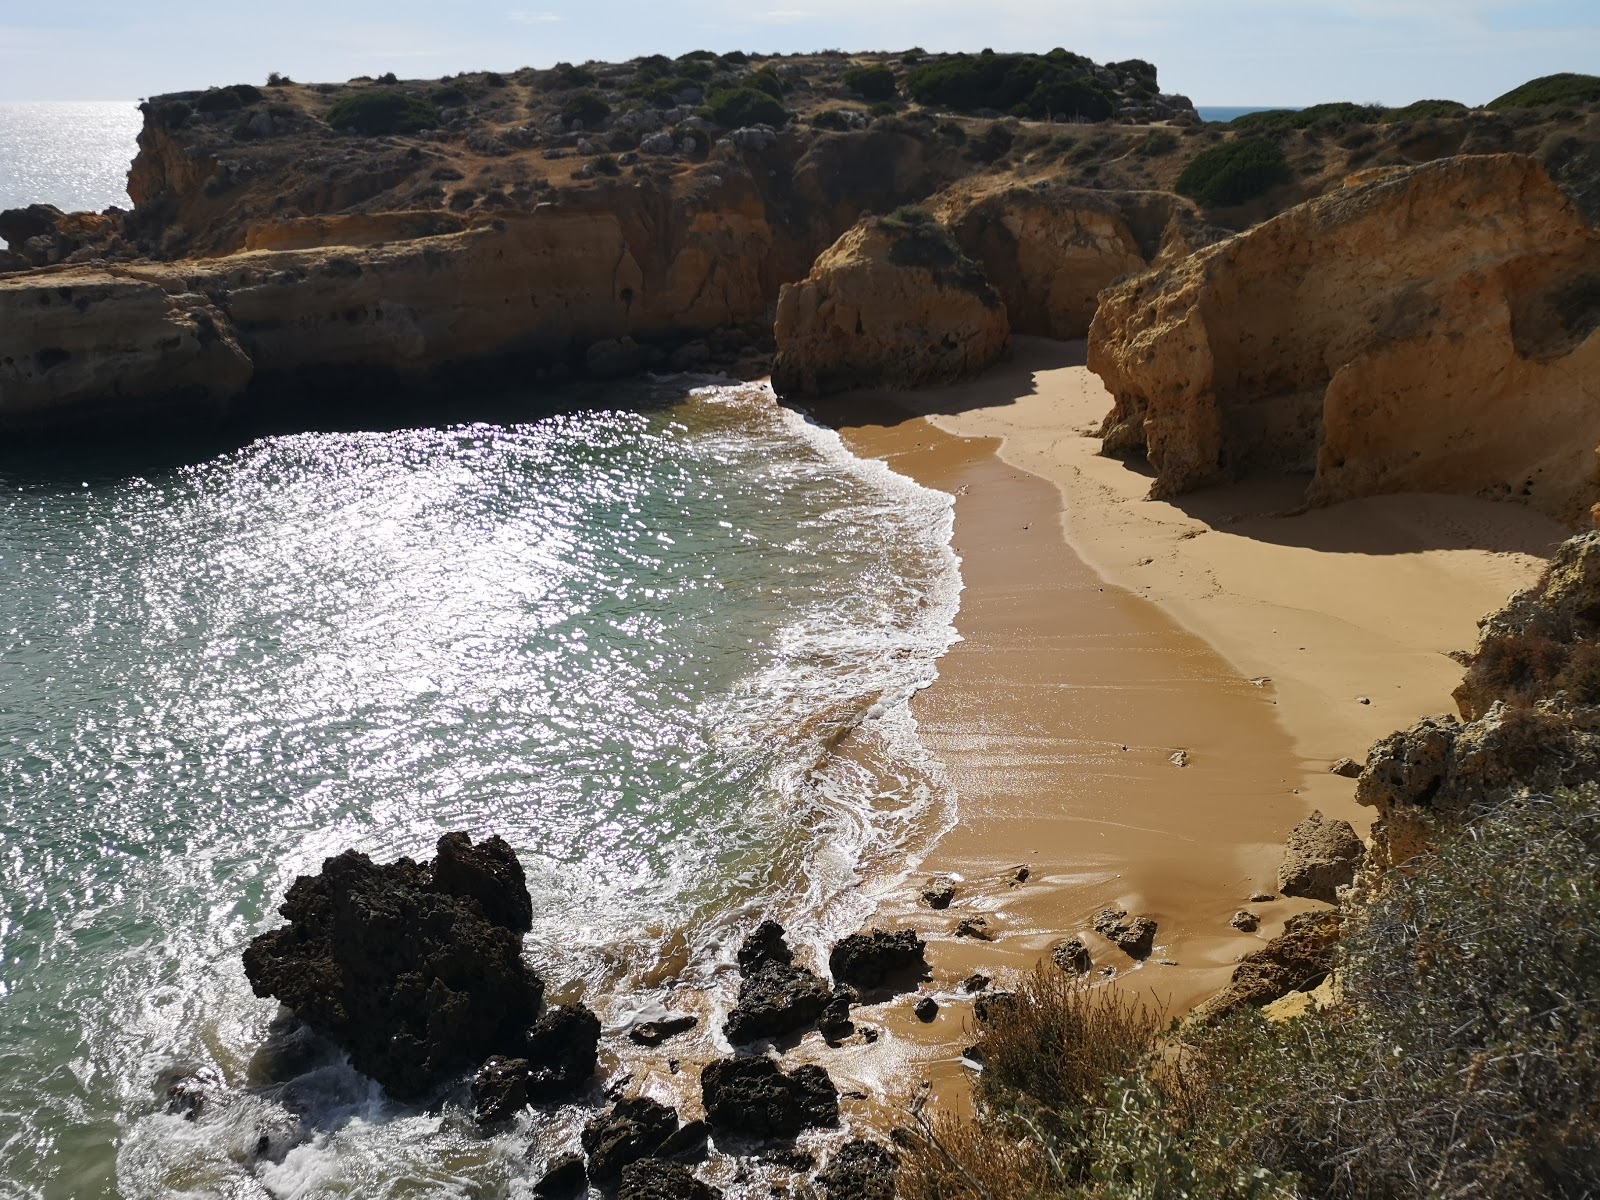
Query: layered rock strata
[{"x": 1380, "y": 338}]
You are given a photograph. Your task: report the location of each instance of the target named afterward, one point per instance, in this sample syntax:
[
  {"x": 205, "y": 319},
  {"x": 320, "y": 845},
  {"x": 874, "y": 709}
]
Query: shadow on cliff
[
  {"x": 1271, "y": 508},
  {"x": 1002, "y": 384}
]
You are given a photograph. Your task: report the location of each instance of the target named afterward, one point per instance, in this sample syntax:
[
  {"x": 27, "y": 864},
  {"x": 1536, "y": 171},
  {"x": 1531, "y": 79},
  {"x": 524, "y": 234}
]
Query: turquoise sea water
[
  {"x": 625, "y": 636},
  {"x": 74, "y": 155},
  {"x": 1229, "y": 113}
]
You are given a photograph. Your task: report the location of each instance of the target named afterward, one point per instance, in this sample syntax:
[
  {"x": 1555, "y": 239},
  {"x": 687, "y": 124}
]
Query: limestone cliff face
[
  {"x": 888, "y": 305},
  {"x": 91, "y": 344},
  {"x": 1424, "y": 330},
  {"x": 1050, "y": 249}
]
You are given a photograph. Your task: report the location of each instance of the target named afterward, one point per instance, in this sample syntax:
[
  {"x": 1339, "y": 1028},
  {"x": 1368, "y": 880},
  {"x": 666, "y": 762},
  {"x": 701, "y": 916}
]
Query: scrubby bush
[
  {"x": 1564, "y": 88},
  {"x": 734, "y": 107},
  {"x": 697, "y": 69},
  {"x": 835, "y": 119},
  {"x": 588, "y": 107},
  {"x": 736, "y": 58},
  {"x": 1424, "y": 109},
  {"x": 765, "y": 80},
  {"x": 913, "y": 56},
  {"x": 606, "y": 164},
  {"x": 1058, "y": 84},
  {"x": 454, "y": 96},
  {"x": 228, "y": 99},
  {"x": 274, "y": 79},
  {"x": 1283, "y": 120},
  {"x": 1158, "y": 143},
  {"x": 566, "y": 75},
  {"x": 388, "y": 79},
  {"x": 1234, "y": 172},
  {"x": 873, "y": 83},
  {"x": 377, "y": 114},
  {"x": 494, "y": 79}
]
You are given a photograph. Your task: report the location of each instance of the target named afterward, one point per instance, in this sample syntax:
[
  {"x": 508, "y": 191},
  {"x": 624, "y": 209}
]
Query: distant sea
[
  {"x": 1228, "y": 113},
  {"x": 72, "y": 154}
]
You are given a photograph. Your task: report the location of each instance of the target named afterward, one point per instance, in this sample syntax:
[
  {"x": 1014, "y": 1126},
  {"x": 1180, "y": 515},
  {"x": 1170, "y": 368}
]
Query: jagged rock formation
[
  {"x": 860, "y": 1170},
  {"x": 1297, "y": 960},
  {"x": 1531, "y": 703},
  {"x": 1321, "y": 856},
  {"x": 1378, "y": 336},
  {"x": 893, "y": 303},
  {"x": 404, "y": 970},
  {"x": 1134, "y": 936},
  {"x": 1050, "y": 248},
  {"x": 626, "y": 1132},
  {"x": 652, "y": 1179},
  {"x": 869, "y": 960},
  {"x": 776, "y": 997},
  {"x": 754, "y": 1097}
]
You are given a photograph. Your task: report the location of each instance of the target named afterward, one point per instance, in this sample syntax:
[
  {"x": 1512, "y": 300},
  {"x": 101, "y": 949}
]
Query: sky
[{"x": 1221, "y": 52}]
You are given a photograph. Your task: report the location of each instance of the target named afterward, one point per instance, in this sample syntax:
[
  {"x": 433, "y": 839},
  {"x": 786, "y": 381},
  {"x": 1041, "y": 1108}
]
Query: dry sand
[{"x": 1103, "y": 635}]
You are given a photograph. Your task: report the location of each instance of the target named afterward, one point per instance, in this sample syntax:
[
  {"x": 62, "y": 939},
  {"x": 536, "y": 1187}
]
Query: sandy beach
[{"x": 1148, "y": 695}]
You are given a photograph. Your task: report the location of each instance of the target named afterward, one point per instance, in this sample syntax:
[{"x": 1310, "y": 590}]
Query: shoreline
[{"x": 1261, "y": 647}]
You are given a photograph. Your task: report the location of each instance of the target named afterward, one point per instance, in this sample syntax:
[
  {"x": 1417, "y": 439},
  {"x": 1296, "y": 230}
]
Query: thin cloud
[
  {"x": 785, "y": 16},
  {"x": 535, "y": 18}
]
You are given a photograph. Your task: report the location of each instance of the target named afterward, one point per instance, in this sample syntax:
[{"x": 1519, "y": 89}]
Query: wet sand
[{"x": 1105, "y": 634}]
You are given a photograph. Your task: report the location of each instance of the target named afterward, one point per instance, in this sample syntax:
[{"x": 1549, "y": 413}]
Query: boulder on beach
[
  {"x": 1298, "y": 959},
  {"x": 868, "y": 960},
  {"x": 1321, "y": 856},
  {"x": 416, "y": 980},
  {"x": 753, "y": 1096},
  {"x": 1134, "y": 936},
  {"x": 776, "y": 997}
]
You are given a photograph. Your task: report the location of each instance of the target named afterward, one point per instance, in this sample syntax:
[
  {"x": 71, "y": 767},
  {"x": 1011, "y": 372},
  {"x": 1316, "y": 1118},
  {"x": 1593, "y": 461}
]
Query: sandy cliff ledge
[{"x": 1430, "y": 329}]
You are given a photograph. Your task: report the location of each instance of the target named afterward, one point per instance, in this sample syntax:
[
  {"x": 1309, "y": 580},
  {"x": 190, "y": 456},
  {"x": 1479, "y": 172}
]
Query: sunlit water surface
[
  {"x": 626, "y": 639},
  {"x": 74, "y": 155}
]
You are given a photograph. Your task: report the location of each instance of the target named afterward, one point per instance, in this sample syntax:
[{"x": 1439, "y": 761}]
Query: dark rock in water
[
  {"x": 975, "y": 982},
  {"x": 861, "y": 1170},
  {"x": 500, "y": 1089},
  {"x": 563, "y": 1049},
  {"x": 653, "y": 1033},
  {"x": 790, "y": 1158},
  {"x": 1134, "y": 936},
  {"x": 991, "y": 1005},
  {"x": 1072, "y": 956},
  {"x": 834, "y": 1021},
  {"x": 652, "y": 1179},
  {"x": 188, "y": 1095},
  {"x": 753, "y": 1096},
  {"x": 766, "y": 945},
  {"x": 939, "y": 893},
  {"x": 488, "y": 873},
  {"x": 775, "y": 999},
  {"x": 974, "y": 927},
  {"x": 927, "y": 1009},
  {"x": 1245, "y": 921},
  {"x": 627, "y": 1131},
  {"x": 564, "y": 1177},
  {"x": 869, "y": 959},
  {"x": 687, "y": 1139},
  {"x": 418, "y": 984}
]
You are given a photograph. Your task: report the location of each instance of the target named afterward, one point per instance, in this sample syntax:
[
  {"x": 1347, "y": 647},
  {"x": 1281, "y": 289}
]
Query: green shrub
[
  {"x": 1025, "y": 85},
  {"x": 1282, "y": 120},
  {"x": 1234, "y": 172},
  {"x": 274, "y": 79},
  {"x": 736, "y": 57},
  {"x": 1424, "y": 109},
  {"x": 653, "y": 66},
  {"x": 765, "y": 80},
  {"x": 387, "y": 79},
  {"x": 606, "y": 164},
  {"x": 697, "y": 69},
  {"x": 588, "y": 107},
  {"x": 1564, "y": 88},
  {"x": 832, "y": 118},
  {"x": 873, "y": 83},
  {"x": 376, "y": 114},
  {"x": 735, "y": 107},
  {"x": 568, "y": 76},
  {"x": 913, "y": 56},
  {"x": 454, "y": 96},
  {"x": 884, "y": 108},
  {"x": 1158, "y": 143},
  {"x": 494, "y": 79},
  {"x": 228, "y": 99}
]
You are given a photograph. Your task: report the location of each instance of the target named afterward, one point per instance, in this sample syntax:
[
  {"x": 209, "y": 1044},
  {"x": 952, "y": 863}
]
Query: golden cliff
[
  {"x": 893, "y": 303},
  {"x": 1430, "y": 329}
]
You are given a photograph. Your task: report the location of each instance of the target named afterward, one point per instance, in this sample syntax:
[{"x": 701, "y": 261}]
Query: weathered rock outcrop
[
  {"x": 1531, "y": 699},
  {"x": 869, "y": 960},
  {"x": 861, "y": 1170},
  {"x": 1049, "y": 249},
  {"x": 1298, "y": 959},
  {"x": 1321, "y": 856},
  {"x": 652, "y": 1179},
  {"x": 626, "y": 1132},
  {"x": 753, "y": 1096},
  {"x": 1427, "y": 329},
  {"x": 893, "y": 303},
  {"x": 776, "y": 997},
  {"x": 404, "y": 971}
]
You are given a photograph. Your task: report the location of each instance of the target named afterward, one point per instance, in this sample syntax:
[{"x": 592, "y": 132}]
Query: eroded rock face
[
  {"x": 889, "y": 305},
  {"x": 652, "y": 1179},
  {"x": 1134, "y": 936},
  {"x": 1429, "y": 329},
  {"x": 629, "y": 1130},
  {"x": 868, "y": 960},
  {"x": 1320, "y": 857},
  {"x": 1298, "y": 959},
  {"x": 91, "y": 345},
  {"x": 753, "y": 1096},
  {"x": 417, "y": 984}
]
